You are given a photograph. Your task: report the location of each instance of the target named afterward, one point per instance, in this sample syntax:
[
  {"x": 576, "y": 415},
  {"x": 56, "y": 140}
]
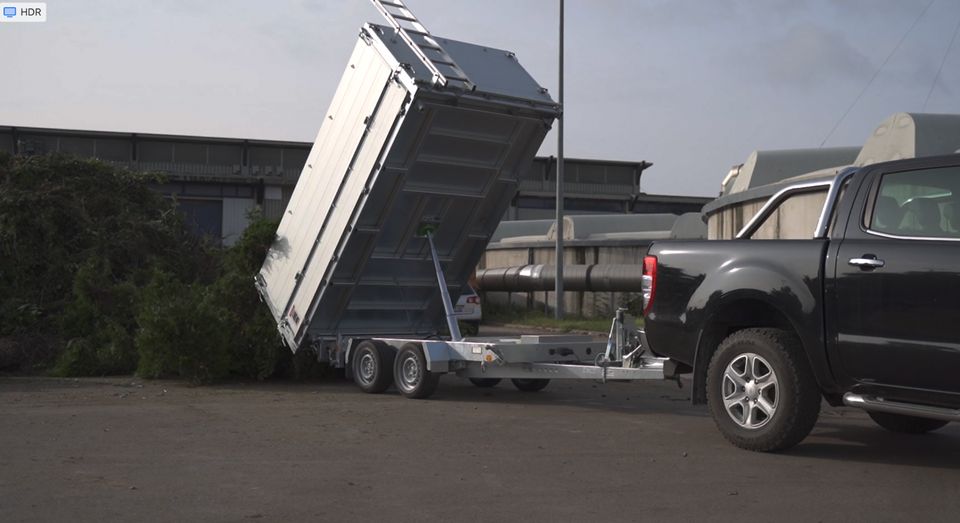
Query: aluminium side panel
[
  {"x": 340, "y": 224},
  {"x": 363, "y": 111}
]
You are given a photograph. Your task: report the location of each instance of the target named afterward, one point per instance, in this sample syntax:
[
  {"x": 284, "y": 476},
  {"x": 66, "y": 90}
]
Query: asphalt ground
[{"x": 125, "y": 449}]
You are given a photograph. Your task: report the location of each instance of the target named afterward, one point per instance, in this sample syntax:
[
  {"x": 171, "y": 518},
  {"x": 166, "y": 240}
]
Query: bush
[
  {"x": 77, "y": 238},
  {"x": 205, "y": 332},
  {"x": 254, "y": 343},
  {"x": 181, "y": 332},
  {"x": 28, "y": 352},
  {"x": 98, "y": 322},
  {"x": 100, "y": 276}
]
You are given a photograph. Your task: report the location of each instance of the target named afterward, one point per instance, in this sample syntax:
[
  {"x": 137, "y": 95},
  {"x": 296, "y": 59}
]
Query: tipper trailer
[{"x": 414, "y": 165}]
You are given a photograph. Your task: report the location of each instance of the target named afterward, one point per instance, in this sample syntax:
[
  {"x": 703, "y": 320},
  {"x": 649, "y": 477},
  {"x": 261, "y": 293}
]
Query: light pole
[{"x": 558, "y": 284}]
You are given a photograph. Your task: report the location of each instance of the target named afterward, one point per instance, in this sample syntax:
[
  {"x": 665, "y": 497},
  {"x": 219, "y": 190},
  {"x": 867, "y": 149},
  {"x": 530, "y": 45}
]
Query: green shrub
[
  {"x": 254, "y": 343},
  {"x": 205, "y": 332},
  {"x": 99, "y": 276},
  {"x": 98, "y": 321},
  {"x": 77, "y": 239},
  {"x": 181, "y": 332}
]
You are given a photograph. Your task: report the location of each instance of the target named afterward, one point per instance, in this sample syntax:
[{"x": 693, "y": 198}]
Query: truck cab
[{"x": 892, "y": 308}]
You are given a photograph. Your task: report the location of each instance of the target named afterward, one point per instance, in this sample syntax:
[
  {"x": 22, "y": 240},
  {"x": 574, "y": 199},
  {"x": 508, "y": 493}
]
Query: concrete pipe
[{"x": 591, "y": 278}]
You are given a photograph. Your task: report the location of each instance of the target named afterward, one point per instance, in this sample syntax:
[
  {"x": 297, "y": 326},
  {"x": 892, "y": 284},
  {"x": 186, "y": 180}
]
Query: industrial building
[{"x": 216, "y": 181}]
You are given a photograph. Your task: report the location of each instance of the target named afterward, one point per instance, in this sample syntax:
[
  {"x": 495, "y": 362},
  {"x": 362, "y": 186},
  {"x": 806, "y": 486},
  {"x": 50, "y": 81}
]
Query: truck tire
[
  {"x": 485, "y": 383},
  {"x": 530, "y": 384},
  {"x": 372, "y": 366},
  {"x": 760, "y": 390},
  {"x": 410, "y": 373},
  {"x": 906, "y": 424}
]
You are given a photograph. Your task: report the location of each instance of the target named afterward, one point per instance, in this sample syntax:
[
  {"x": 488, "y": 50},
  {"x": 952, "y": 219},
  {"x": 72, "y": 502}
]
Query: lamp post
[{"x": 558, "y": 284}]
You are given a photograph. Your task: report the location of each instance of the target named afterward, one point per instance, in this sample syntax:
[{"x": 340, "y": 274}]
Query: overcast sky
[{"x": 691, "y": 85}]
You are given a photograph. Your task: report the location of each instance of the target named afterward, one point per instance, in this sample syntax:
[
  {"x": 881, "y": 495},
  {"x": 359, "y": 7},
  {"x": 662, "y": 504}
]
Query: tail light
[
  {"x": 648, "y": 282},
  {"x": 473, "y": 299}
]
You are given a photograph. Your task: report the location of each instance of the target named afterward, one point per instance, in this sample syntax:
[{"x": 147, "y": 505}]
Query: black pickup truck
[{"x": 856, "y": 301}]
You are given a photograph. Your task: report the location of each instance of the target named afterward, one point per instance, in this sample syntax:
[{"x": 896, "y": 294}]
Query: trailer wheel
[
  {"x": 410, "y": 373},
  {"x": 485, "y": 383},
  {"x": 372, "y": 366},
  {"x": 530, "y": 384},
  {"x": 761, "y": 391},
  {"x": 905, "y": 424}
]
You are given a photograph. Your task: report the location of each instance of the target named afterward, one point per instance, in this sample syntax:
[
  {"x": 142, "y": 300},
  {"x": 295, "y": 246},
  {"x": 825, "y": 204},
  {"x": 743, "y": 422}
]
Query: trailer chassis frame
[{"x": 624, "y": 357}]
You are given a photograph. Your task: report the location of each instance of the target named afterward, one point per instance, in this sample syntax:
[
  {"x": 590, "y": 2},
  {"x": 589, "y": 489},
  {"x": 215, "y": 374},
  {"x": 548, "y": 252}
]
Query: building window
[{"x": 203, "y": 217}]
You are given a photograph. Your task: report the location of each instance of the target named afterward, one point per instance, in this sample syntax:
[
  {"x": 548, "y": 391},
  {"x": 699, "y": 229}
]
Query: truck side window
[
  {"x": 918, "y": 204},
  {"x": 795, "y": 218}
]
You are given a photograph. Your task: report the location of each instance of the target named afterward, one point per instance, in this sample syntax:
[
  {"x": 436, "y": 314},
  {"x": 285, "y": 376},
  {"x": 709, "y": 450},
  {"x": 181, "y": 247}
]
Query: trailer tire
[
  {"x": 906, "y": 424},
  {"x": 372, "y": 366},
  {"x": 530, "y": 384},
  {"x": 485, "y": 383},
  {"x": 761, "y": 391},
  {"x": 410, "y": 373}
]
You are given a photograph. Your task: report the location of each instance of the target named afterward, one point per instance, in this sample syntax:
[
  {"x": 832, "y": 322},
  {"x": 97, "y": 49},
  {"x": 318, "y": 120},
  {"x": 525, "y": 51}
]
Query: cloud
[
  {"x": 907, "y": 9},
  {"x": 811, "y": 55}
]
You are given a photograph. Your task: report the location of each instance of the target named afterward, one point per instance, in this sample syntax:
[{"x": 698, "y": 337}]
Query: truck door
[{"x": 896, "y": 301}]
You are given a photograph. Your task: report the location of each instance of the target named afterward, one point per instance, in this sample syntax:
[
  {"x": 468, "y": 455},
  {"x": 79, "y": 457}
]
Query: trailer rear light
[{"x": 648, "y": 282}]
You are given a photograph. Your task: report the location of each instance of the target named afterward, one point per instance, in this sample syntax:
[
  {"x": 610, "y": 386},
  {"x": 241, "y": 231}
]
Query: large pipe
[{"x": 591, "y": 278}]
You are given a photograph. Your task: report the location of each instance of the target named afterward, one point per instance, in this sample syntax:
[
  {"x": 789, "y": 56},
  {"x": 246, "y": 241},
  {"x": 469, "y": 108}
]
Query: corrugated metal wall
[
  {"x": 235, "y": 211},
  {"x": 275, "y": 199}
]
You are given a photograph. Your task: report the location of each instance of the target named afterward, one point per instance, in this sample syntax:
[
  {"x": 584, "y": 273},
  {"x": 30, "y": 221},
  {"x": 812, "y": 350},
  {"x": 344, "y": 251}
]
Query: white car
[{"x": 468, "y": 311}]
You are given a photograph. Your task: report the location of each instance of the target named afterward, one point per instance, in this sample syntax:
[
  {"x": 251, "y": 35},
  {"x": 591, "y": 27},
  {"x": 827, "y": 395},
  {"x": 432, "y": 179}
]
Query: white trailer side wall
[{"x": 364, "y": 83}]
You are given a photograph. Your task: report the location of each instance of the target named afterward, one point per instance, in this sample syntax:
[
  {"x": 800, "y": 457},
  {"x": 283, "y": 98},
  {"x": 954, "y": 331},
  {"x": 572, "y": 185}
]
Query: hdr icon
[{"x": 23, "y": 12}]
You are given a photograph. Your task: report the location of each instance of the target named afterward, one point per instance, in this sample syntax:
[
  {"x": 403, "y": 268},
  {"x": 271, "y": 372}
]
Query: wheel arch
[
  {"x": 351, "y": 348},
  {"x": 348, "y": 352},
  {"x": 436, "y": 354},
  {"x": 743, "y": 312}
]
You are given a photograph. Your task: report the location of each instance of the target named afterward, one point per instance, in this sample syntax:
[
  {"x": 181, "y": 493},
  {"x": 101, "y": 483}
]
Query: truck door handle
[{"x": 866, "y": 262}]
